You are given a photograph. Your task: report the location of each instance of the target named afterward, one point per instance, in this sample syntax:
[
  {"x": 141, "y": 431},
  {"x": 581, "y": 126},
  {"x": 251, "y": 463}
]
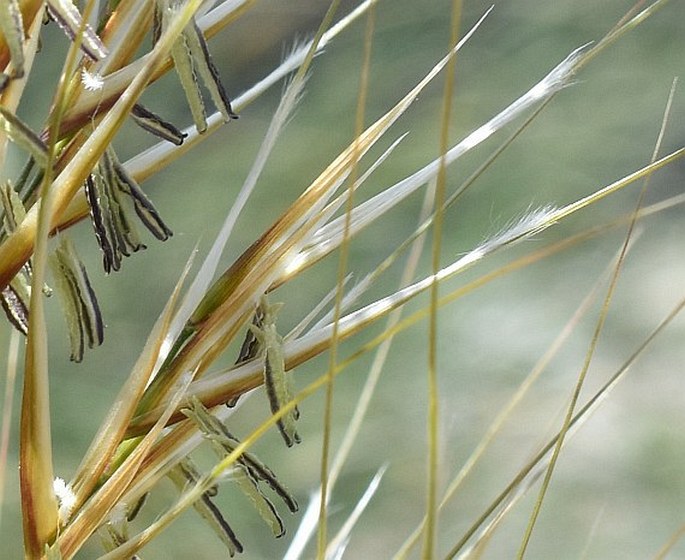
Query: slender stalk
[
  {"x": 433, "y": 419},
  {"x": 595, "y": 338},
  {"x": 39, "y": 503},
  {"x": 322, "y": 535},
  {"x": 662, "y": 554}
]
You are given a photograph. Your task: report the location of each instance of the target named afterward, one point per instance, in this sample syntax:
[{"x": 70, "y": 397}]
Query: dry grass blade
[
  {"x": 328, "y": 236},
  {"x": 243, "y": 378},
  {"x": 206, "y": 273},
  {"x": 113, "y": 428},
  {"x": 40, "y": 514},
  {"x": 38, "y": 499},
  {"x": 228, "y": 302},
  {"x": 102, "y": 502},
  {"x": 311, "y": 200}
]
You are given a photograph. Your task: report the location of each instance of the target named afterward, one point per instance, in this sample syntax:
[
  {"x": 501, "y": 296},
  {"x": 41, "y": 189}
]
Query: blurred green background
[{"x": 619, "y": 486}]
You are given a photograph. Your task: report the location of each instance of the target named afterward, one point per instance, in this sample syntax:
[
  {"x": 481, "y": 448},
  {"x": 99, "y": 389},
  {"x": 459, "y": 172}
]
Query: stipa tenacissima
[{"x": 135, "y": 448}]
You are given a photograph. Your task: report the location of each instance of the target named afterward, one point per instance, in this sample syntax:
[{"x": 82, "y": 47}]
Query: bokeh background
[{"x": 619, "y": 486}]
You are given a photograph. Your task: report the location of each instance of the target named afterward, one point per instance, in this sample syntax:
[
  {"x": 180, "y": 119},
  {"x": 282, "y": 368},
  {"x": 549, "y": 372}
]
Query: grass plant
[{"x": 327, "y": 320}]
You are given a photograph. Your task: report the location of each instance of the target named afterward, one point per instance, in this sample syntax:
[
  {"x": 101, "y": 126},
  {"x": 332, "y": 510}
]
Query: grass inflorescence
[{"x": 213, "y": 383}]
